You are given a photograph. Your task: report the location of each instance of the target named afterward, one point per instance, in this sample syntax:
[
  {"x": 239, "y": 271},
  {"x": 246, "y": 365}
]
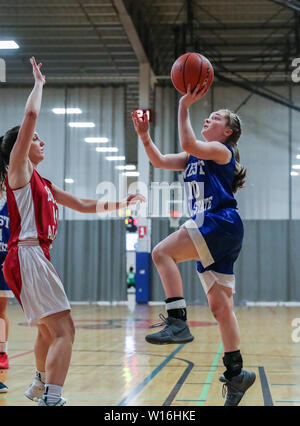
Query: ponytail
[
  {"x": 240, "y": 171},
  {"x": 234, "y": 123}
]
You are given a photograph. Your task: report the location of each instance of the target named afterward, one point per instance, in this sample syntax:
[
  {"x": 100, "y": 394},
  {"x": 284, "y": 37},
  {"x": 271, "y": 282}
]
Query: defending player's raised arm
[
  {"x": 157, "y": 159},
  {"x": 21, "y": 148},
  {"x": 93, "y": 206},
  {"x": 215, "y": 151}
]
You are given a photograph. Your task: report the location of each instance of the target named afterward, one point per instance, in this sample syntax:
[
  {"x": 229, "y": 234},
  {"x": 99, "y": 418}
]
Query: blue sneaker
[
  {"x": 3, "y": 388},
  {"x": 176, "y": 331},
  {"x": 236, "y": 387}
]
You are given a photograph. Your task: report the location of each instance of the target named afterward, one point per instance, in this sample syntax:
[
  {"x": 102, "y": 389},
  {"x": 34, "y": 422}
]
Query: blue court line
[
  {"x": 148, "y": 379},
  {"x": 205, "y": 389},
  {"x": 265, "y": 387}
]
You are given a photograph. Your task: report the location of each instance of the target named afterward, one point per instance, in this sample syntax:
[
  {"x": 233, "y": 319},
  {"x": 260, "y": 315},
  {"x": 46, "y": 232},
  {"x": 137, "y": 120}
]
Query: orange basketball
[{"x": 193, "y": 69}]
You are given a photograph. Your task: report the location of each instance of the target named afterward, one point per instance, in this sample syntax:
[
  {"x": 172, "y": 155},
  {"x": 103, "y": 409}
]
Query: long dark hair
[
  {"x": 234, "y": 123},
  {"x": 6, "y": 145}
]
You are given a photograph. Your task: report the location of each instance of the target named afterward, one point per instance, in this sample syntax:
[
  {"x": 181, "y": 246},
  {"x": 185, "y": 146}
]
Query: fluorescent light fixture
[
  {"x": 131, "y": 173},
  {"x": 81, "y": 124},
  {"x": 66, "y": 110},
  {"x": 69, "y": 180},
  {"x": 127, "y": 167},
  {"x": 96, "y": 140},
  {"x": 107, "y": 149},
  {"x": 296, "y": 166},
  {"x": 8, "y": 44},
  {"x": 298, "y": 156},
  {"x": 294, "y": 174},
  {"x": 120, "y": 158}
]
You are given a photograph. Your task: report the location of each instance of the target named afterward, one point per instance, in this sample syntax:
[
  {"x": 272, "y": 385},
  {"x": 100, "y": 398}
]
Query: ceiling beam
[
  {"x": 290, "y": 4},
  {"x": 258, "y": 91},
  {"x": 130, "y": 30}
]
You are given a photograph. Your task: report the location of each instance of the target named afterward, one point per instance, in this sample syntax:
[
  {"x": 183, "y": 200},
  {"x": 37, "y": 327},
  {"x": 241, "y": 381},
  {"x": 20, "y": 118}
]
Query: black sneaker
[
  {"x": 236, "y": 387},
  {"x": 176, "y": 331}
]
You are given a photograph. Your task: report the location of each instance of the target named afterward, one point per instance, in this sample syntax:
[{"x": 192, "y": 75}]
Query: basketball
[{"x": 193, "y": 69}]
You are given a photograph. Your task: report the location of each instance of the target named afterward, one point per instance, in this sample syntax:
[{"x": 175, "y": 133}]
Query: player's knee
[
  {"x": 157, "y": 254},
  {"x": 3, "y": 315},
  {"x": 221, "y": 311},
  {"x": 64, "y": 331}
]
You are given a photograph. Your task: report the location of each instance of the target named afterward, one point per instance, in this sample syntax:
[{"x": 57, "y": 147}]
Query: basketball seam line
[
  {"x": 184, "y": 73},
  {"x": 200, "y": 69}
]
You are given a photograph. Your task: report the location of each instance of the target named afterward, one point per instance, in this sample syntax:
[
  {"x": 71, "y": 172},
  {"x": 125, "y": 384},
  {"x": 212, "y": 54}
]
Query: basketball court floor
[{"x": 112, "y": 364}]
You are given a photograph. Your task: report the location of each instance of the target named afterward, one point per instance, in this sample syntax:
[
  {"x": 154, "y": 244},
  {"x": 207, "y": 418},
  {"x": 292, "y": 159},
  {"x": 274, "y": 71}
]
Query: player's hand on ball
[
  {"x": 36, "y": 70},
  {"x": 192, "y": 97},
  {"x": 141, "y": 125}
]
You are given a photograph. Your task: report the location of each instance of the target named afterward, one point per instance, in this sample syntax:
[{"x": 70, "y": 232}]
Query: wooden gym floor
[{"x": 113, "y": 365}]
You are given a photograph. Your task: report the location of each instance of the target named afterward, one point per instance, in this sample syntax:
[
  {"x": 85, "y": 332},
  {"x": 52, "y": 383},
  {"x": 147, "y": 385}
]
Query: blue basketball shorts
[
  {"x": 5, "y": 291},
  {"x": 217, "y": 237}
]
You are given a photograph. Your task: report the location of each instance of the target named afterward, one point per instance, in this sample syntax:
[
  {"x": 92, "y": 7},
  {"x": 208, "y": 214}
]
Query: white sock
[
  {"x": 3, "y": 347},
  {"x": 40, "y": 375},
  {"x": 52, "y": 393}
]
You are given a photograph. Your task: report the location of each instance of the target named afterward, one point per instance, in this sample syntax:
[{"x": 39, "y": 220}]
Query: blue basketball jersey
[
  {"x": 4, "y": 226},
  {"x": 208, "y": 185}
]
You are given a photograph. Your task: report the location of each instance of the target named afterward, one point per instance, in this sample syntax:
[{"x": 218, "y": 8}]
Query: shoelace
[
  {"x": 160, "y": 324},
  {"x": 224, "y": 390}
]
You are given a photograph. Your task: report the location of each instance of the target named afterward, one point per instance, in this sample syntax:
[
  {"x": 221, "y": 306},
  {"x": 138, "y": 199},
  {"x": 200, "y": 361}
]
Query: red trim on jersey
[
  {"x": 14, "y": 216},
  {"x": 12, "y": 272}
]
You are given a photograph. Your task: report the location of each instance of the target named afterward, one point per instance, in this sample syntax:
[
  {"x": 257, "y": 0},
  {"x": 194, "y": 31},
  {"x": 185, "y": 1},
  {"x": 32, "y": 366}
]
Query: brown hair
[
  {"x": 234, "y": 123},
  {"x": 6, "y": 145}
]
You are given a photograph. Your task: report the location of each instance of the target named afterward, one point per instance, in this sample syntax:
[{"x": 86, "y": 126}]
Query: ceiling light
[
  {"x": 107, "y": 149},
  {"x": 8, "y": 44},
  {"x": 121, "y": 158},
  {"x": 127, "y": 167},
  {"x": 81, "y": 124},
  {"x": 131, "y": 173},
  {"x": 69, "y": 180},
  {"x": 296, "y": 166},
  {"x": 66, "y": 110},
  {"x": 96, "y": 140}
]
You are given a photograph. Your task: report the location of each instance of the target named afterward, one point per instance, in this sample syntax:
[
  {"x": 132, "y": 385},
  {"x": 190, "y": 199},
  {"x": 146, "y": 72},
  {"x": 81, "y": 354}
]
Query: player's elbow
[
  {"x": 188, "y": 145},
  {"x": 158, "y": 164},
  {"x": 81, "y": 206},
  {"x": 31, "y": 114}
]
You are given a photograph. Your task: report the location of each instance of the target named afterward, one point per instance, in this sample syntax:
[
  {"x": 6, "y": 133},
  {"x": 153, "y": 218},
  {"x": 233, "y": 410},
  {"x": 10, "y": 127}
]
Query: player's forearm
[
  {"x": 33, "y": 104},
  {"x": 153, "y": 153},
  {"x": 186, "y": 134},
  {"x": 97, "y": 206}
]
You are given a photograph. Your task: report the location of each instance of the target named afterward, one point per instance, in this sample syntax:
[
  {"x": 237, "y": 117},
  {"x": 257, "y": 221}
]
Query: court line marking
[
  {"x": 18, "y": 355},
  {"x": 265, "y": 388},
  {"x": 285, "y": 384},
  {"x": 206, "y": 386},
  {"x": 148, "y": 379},
  {"x": 218, "y": 399},
  {"x": 180, "y": 382}
]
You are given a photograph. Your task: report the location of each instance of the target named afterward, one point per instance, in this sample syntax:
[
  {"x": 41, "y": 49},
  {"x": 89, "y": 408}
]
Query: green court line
[{"x": 206, "y": 386}]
